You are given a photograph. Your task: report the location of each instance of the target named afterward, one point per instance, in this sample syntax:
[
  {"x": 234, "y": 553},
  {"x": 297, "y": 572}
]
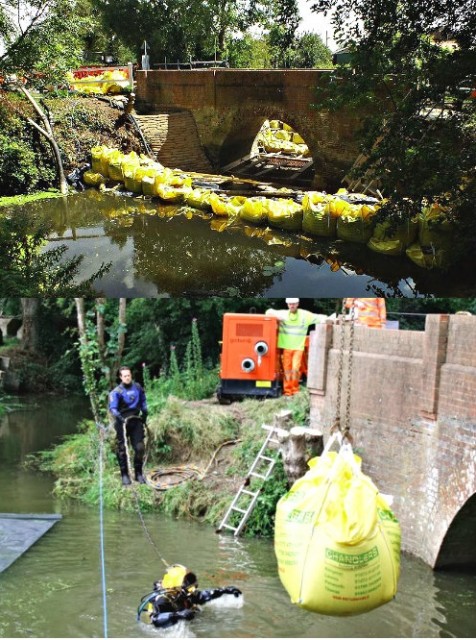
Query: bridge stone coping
[
  {"x": 230, "y": 105},
  {"x": 413, "y": 421}
]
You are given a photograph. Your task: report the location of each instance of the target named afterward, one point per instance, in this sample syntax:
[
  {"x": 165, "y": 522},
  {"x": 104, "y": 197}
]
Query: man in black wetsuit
[
  {"x": 126, "y": 402},
  {"x": 177, "y": 597}
]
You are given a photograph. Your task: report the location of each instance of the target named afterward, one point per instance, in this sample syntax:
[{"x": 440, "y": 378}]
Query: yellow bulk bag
[
  {"x": 129, "y": 162},
  {"x": 171, "y": 194},
  {"x": 114, "y": 169},
  {"x": 93, "y": 178},
  {"x": 96, "y": 156},
  {"x": 429, "y": 257},
  {"x": 393, "y": 242},
  {"x": 254, "y": 210},
  {"x": 435, "y": 238},
  {"x": 198, "y": 198},
  {"x": 107, "y": 153},
  {"x": 317, "y": 219},
  {"x": 352, "y": 227},
  {"x": 296, "y": 138},
  {"x": 235, "y": 205},
  {"x": 133, "y": 178},
  {"x": 149, "y": 180},
  {"x": 336, "y": 540},
  {"x": 284, "y": 214},
  {"x": 218, "y": 203}
]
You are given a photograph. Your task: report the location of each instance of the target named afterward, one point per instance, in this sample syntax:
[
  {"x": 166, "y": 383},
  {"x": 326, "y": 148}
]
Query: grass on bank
[
  {"x": 183, "y": 433},
  {"x": 8, "y": 201}
]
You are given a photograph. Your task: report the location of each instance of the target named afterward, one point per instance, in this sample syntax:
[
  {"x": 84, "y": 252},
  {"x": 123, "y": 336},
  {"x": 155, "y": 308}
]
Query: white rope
[{"x": 101, "y": 529}]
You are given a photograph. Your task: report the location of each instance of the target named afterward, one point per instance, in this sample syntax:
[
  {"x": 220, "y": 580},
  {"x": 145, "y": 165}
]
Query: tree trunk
[
  {"x": 121, "y": 341},
  {"x": 81, "y": 317},
  {"x": 30, "y": 307},
  {"x": 47, "y": 131},
  {"x": 121, "y": 338},
  {"x": 100, "y": 302}
]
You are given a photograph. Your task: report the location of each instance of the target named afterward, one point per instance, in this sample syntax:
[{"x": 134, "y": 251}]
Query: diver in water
[{"x": 177, "y": 597}]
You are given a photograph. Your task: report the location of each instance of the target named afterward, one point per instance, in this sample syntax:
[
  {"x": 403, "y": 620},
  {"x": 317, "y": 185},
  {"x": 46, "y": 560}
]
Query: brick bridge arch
[
  {"x": 413, "y": 419},
  {"x": 10, "y": 325},
  {"x": 230, "y": 105}
]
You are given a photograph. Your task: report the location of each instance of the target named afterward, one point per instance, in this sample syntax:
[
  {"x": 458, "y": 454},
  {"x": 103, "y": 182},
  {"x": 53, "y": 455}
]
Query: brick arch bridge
[
  {"x": 10, "y": 325},
  {"x": 230, "y": 105},
  {"x": 413, "y": 420}
]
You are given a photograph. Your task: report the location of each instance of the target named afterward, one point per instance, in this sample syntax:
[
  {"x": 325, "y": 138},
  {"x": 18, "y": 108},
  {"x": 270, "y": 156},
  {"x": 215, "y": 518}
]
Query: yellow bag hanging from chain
[{"x": 337, "y": 541}]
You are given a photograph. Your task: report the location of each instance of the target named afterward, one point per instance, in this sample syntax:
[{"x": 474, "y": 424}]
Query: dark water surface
[
  {"x": 54, "y": 589},
  {"x": 155, "y": 249}
]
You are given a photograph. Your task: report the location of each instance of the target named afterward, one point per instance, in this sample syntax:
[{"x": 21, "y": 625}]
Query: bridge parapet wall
[
  {"x": 230, "y": 105},
  {"x": 413, "y": 419}
]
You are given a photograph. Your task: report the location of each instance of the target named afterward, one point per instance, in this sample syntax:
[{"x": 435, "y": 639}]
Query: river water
[
  {"x": 54, "y": 589},
  {"x": 162, "y": 250}
]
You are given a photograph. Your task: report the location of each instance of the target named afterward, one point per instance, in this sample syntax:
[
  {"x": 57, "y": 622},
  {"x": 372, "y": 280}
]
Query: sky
[{"x": 316, "y": 23}]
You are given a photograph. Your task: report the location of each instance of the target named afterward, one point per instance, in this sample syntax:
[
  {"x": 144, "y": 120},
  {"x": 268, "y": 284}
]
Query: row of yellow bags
[
  {"x": 278, "y": 137},
  {"x": 426, "y": 239},
  {"x": 109, "y": 82}
]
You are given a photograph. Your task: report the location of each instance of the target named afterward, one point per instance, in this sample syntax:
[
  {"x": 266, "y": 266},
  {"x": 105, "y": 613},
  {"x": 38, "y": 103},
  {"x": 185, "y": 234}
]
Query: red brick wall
[
  {"x": 413, "y": 419},
  {"x": 230, "y": 105}
]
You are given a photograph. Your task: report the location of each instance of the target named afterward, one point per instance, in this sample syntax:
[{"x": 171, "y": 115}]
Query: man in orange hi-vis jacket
[
  {"x": 293, "y": 326},
  {"x": 369, "y": 312}
]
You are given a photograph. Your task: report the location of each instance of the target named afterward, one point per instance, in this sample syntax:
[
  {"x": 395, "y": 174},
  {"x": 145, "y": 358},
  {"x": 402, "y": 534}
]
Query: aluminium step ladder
[{"x": 247, "y": 495}]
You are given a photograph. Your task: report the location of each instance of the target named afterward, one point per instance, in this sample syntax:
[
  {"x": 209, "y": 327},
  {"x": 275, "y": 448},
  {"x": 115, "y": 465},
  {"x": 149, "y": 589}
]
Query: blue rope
[{"x": 101, "y": 531}]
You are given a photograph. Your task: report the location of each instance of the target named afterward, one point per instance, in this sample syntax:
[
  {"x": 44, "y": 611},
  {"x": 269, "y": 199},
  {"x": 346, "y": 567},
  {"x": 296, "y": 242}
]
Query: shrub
[{"x": 18, "y": 170}]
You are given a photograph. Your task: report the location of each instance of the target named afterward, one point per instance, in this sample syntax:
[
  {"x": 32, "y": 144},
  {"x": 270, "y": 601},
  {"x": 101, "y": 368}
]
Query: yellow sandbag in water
[
  {"x": 430, "y": 257},
  {"x": 218, "y": 203},
  {"x": 435, "y": 238},
  {"x": 235, "y": 205},
  {"x": 96, "y": 156},
  {"x": 352, "y": 226},
  {"x": 284, "y": 214},
  {"x": 115, "y": 171},
  {"x": 198, "y": 198},
  {"x": 129, "y": 162},
  {"x": 171, "y": 194},
  {"x": 93, "y": 178},
  {"x": 254, "y": 210},
  {"x": 107, "y": 154},
  {"x": 337, "y": 541},
  {"x": 133, "y": 178},
  {"x": 149, "y": 180},
  {"x": 317, "y": 219},
  {"x": 393, "y": 242}
]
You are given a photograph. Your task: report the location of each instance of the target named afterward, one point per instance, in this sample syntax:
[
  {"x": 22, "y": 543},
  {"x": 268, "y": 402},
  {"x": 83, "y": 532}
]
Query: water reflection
[{"x": 158, "y": 249}]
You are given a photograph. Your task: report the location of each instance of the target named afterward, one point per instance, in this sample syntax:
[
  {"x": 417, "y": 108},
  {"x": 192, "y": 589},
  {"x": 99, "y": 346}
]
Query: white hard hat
[{"x": 292, "y": 300}]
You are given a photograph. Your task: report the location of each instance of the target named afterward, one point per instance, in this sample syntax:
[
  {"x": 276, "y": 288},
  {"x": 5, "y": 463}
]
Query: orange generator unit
[{"x": 249, "y": 362}]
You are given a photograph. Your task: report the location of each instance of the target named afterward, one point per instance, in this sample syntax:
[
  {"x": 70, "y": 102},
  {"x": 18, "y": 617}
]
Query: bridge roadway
[
  {"x": 413, "y": 420},
  {"x": 226, "y": 108}
]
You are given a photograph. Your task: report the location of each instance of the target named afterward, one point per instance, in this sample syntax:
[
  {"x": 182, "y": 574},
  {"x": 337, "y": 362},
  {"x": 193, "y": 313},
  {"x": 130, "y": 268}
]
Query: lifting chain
[
  {"x": 340, "y": 369},
  {"x": 346, "y": 433}
]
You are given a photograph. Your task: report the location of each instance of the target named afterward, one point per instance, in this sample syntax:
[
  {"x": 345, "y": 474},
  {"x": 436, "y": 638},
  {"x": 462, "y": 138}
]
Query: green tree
[
  {"x": 249, "y": 52},
  {"x": 282, "y": 31},
  {"x": 179, "y": 29},
  {"x": 40, "y": 38},
  {"x": 309, "y": 52},
  {"x": 412, "y": 71}
]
